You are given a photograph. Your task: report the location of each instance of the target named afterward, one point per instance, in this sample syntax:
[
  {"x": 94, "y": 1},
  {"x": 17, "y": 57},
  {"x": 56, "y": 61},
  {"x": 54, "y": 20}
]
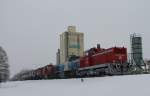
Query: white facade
[{"x": 71, "y": 43}]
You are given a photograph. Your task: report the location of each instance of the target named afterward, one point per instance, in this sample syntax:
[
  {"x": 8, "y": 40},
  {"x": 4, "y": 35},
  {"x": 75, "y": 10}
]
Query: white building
[{"x": 71, "y": 43}]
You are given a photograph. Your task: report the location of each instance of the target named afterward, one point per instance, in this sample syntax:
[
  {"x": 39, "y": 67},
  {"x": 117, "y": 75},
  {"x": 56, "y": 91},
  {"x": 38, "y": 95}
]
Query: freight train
[{"x": 95, "y": 62}]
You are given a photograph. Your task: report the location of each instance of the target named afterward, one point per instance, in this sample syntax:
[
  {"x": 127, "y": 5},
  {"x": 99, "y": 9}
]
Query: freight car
[
  {"x": 46, "y": 72},
  {"x": 59, "y": 70}
]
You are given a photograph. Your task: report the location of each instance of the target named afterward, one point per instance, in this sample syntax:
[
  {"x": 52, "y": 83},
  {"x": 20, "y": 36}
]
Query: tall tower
[
  {"x": 71, "y": 43},
  {"x": 136, "y": 50}
]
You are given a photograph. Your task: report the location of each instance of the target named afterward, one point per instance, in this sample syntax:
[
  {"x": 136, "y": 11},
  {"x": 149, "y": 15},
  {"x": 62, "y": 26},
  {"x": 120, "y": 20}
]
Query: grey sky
[{"x": 29, "y": 29}]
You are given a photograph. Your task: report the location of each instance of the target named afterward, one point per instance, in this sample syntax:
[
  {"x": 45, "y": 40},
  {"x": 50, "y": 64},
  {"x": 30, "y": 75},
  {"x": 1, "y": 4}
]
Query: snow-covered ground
[{"x": 135, "y": 85}]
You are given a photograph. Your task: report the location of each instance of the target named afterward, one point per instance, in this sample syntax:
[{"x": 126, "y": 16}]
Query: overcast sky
[{"x": 29, "y": 29}]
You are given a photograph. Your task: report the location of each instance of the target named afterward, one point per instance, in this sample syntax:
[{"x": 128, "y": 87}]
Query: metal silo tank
[{"x": 136, "y": 49}]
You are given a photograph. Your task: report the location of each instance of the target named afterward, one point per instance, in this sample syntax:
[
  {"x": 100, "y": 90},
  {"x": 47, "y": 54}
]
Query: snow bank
[{"x": 135, "y": 85}]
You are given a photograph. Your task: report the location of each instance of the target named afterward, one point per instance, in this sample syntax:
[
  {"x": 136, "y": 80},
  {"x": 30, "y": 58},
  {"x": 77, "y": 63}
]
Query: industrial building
[
  {"x": 136, "y": 50},
  {"x": 71, "y": 43},
  {"x": 4, "y": 72}
]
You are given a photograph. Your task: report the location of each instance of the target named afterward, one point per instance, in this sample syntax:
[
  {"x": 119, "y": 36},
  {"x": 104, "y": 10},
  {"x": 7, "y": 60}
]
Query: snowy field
[{"x": 136, "y": 85}]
